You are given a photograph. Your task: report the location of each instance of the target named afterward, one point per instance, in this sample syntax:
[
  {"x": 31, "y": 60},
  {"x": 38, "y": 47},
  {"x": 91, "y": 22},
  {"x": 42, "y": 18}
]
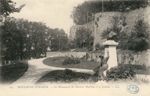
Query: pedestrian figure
[
  {"x": 99, "y": 71},
  {"x": 102, "y": 67}
]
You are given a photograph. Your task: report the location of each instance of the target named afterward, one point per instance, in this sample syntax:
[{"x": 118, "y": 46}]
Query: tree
[
  {"x": 139, "y": 38},
  {"x": 23, "y": 39},
  {"x": 59, "y": 40},
  {"x": 84, "y": 39},
  {"x": 6, "y": 7}
]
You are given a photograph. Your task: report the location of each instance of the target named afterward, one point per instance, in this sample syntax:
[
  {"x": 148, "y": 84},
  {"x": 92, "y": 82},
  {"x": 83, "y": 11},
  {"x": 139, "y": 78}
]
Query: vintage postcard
[{"x": 74, "y": 47}]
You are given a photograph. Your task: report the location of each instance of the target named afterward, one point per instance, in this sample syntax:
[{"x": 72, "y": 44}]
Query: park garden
[{"x": 31, "y": 49}]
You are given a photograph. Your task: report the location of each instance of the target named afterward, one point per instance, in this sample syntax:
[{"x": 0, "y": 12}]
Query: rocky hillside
[{"x": 103, "y": 21}]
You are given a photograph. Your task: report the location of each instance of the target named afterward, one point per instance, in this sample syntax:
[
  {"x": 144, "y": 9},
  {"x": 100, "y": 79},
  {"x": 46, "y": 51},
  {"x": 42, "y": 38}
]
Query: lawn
[
  {"x": 58, "y": 62},
  {"x": 67, "y": 76},
  {"x": 10, "y": 73}
]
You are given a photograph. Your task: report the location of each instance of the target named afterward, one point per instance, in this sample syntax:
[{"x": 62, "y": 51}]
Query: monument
[{"x": 110, "y": 50}]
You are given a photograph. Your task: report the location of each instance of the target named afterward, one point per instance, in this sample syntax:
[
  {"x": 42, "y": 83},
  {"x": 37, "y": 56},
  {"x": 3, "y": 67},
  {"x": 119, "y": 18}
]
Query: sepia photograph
[{"x": 99, "y": 44}]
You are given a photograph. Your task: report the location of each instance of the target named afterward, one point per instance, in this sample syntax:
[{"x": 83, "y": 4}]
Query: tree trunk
[
  {"x": 0, "y": 47},
  {"x": 0, "y": 41}
]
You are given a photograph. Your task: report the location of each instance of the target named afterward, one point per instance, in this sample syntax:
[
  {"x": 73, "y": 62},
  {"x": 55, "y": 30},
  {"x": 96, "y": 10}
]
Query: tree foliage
[
  {"x": 84, "y": 39},
  {"x": 139, "y": 38},
  {"x": 8, "y": 6},
  {"x": 59, "y": 40},
  {"x": 23, "y": 39}
]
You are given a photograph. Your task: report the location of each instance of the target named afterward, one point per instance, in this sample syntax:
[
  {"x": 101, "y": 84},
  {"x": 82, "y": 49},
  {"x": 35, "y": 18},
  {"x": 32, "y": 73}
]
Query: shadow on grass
[
  {"x": 10, "y": 73},
  {"x": 67, "y": 76}
]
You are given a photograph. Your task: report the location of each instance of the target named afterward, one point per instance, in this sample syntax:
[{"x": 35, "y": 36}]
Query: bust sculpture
[{"x": 111, "y": 36}]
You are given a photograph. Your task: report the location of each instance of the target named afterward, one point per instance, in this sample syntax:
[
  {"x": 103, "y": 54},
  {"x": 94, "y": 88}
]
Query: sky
[{"x": 54, "y": 13}]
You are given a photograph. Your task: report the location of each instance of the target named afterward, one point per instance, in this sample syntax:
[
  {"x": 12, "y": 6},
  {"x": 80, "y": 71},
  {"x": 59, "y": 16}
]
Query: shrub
[
  {"x": 140, "y": 69},
  {"x": 99, "y": 47},
  {"x": 71, "y": 60},
  {"x": 121, "y": 72}
]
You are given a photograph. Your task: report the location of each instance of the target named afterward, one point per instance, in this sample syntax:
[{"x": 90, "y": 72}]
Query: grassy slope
[{"x": 10, "y": 73}]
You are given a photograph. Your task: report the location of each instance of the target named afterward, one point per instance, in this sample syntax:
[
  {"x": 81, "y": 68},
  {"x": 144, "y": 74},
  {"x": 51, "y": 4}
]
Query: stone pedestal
[{"x": 110, "y": 51}]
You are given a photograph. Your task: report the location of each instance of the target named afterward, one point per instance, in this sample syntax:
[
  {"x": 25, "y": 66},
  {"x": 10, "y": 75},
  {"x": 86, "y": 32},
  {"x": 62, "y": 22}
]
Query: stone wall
[
  {"x": 130, "y": 57},
  {"x": 73, "y": 29}
]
